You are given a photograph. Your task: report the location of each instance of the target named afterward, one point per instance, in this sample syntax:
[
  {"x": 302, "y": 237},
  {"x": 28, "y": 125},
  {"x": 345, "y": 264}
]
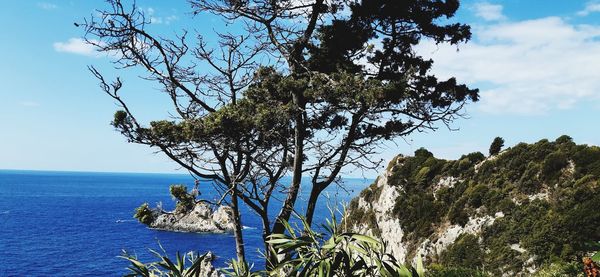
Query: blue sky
[{"x": 536, "y": 62}]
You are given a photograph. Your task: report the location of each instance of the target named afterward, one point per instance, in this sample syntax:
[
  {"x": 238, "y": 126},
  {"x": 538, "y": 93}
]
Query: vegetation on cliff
[{"x": 544, "y": 197}]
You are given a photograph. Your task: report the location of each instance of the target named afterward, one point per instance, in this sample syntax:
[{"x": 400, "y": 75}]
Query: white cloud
[
  {"x": 46, "y": 5},
  {"x": 170, "y": 19},
  {"x": 526, "y": 67},
  {"x": 590, "y": 7},
  {"x": 488, "y": 11},
  {"x": 31, "y": 104},
  {"x": 151, "y": 12},
  {"x": 76, "y": 46}
]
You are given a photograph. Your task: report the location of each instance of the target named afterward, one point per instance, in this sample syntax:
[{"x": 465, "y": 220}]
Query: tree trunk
[
  {"x": 237, "y": 230},
  {"x": 312, "y": 203},
  {"x": 288, "y": 206}
]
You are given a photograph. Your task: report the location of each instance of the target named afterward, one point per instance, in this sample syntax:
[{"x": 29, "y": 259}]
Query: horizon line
[{"x": 130, "y": 172}]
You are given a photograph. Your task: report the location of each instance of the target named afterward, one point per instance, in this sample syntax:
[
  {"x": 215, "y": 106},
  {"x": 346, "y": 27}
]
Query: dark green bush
[
  {"x": 441, "y": 271},
  {"x": 144, "y": 214},
  {"x": 185, "y": 201},
  {"x": 496, "y": 146},
  {"x": 476, "y": 195},
  {"x": 553, "y": 164},
  {"x": 417, "y": 213},
  {"x": 464, "y": 253}
]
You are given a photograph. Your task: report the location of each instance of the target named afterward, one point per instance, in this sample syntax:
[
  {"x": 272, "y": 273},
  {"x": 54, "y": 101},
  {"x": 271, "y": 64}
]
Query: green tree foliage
[
  {"x": 464, "y": 253},
  {"x": 553, "y": 164},
  {"x": 185, "y": 201},
  {"x": 349, "y": 80},
  {"x": 144, "y": 214},
  {"x": 496, "y": 146}
]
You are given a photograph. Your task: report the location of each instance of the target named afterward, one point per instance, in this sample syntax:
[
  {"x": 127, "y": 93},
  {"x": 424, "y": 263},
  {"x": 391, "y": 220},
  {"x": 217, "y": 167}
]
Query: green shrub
[
  {"x": 476, "y": 195},
  {"x": 458, "y": 213},
  {"x": 464, "y": 253},
  {"x": 417, "y": 213},
  {"x": 185, "y": 201},
  {"x": 144, "y": 214},
  {"x": 564, "y": 139},
  {"x": 561, "y": 269},
  {"x": 475, "y": 157},
  {"x": 441, "y": 271},
  {"x": 553, "y": 164}
]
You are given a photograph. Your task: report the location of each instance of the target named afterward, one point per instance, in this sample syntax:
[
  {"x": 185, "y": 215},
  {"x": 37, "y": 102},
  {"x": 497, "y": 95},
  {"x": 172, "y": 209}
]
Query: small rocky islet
[{"x": 190, "y": 215}]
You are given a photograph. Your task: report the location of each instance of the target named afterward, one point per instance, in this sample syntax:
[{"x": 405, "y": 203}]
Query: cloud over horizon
[{"x": 528, "y": 67}]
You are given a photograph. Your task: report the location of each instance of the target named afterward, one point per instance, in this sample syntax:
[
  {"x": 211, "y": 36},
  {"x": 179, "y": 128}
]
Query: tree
[
  {"x": 496, "y": 146},
  {"x": 307, "y": 88}
]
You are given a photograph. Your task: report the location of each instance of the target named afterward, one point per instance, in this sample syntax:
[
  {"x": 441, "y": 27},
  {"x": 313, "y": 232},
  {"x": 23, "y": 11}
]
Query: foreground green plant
[
  {"x": 310, "y": 253},
  {"x": 301, "y": 253},
  {"x": 165, "y": 266},
  {"x": 241, "y": 269}
]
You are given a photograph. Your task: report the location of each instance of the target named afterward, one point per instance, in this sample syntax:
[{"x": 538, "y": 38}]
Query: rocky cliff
[{"x": 526, "y": 208}]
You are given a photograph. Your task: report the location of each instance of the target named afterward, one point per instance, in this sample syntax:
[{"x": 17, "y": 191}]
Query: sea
[{"x": 78, "y": 223}]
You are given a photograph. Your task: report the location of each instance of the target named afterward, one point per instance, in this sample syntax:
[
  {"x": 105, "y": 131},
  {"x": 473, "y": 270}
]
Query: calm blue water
[{"x": 76, "y": 224}]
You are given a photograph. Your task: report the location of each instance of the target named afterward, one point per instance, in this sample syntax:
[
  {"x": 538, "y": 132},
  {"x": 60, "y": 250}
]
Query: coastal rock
[
  {"x": 207, "y": 269},
  {"x": 202, "y": 218}
]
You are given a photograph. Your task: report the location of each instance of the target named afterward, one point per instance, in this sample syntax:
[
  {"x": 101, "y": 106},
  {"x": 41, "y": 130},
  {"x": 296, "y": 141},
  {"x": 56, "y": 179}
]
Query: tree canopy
[
  {"x": 496, "y": 146},
  {"x": 305, "y": 88}
]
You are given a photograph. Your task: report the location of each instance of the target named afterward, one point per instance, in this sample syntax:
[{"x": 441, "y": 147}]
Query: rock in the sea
[
  {"x": 207, "y": 269},
  {"x": 202, "y": 218}
]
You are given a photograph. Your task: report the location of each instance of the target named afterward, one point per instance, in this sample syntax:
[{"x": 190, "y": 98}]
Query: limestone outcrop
[{"x": 201, "y": 218}]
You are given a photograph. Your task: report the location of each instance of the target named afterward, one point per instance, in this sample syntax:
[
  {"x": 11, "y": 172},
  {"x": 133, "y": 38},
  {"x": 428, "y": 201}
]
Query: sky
[{"x": 536, "y": 63}]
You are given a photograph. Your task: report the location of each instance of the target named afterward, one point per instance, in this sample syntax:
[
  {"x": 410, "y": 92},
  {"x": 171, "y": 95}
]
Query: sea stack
[
  {"x": 202, "y": 218},
  {"x": 190, "y": 214}
]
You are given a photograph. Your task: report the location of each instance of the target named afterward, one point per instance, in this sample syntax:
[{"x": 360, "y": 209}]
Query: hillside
[{"x": 523, "y": 209}]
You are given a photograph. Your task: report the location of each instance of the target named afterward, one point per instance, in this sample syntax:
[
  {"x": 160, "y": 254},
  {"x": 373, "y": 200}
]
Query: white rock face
[
  {"x": 448, "y": 234},
  {"x": 201, "y": 219},
  {"x": 517, "y": 247},
  {"x": 445, "y": 182},
  {"x": 391, "y": 229},
  {"x": 544, "y": 195},
  {"x": 206, "y": 267}
]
